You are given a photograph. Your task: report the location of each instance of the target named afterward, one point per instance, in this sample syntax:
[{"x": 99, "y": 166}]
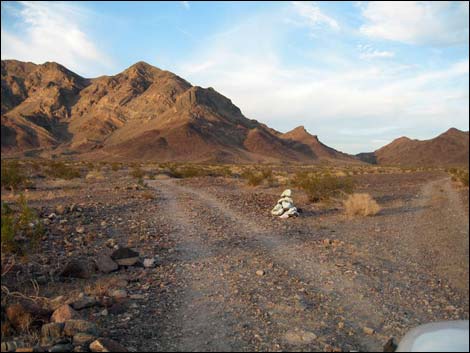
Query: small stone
[
  {"x": 64, "y": 313},
  {"x": 60, "y": 209},
  {"x": 18, "y": 317},
  {"x": 286, "y": 193},
  {"x": 80, "y": 229},
  {"x": 84, "y": 302},
  {"x": 51, "y": 332},
  {"x": 149, "y": 263},
  {"x": 105, "y": 264},
  {"x": 118, "y": 294},
  {"x": 368, "y": 330},
  {"x": 131, "y": 261},
  {"x": 106, "y": 345},
  {"x": 391, "y": 345},
  {"x": 72, "y": 327},
  {"x": 260, "y": 273},
  {"x": 104, "y": 312},
  {"x": 125, "y": 257},
  {"x": 300, "y": 337}
]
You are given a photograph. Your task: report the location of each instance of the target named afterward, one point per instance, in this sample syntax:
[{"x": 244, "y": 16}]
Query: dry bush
[
  {"x": 61, "y": 170},
  {"x": 459, "y": 175},
  {"x": 21, "y": 228},
  {"x": 256, "y": 177},
  {"x": 94, "y": 175},
  {"x": 148, "y": 195},
  {"x": 137, "y": 172},
  {"x": 324, "y": 187},
  {"x": 360, "y": 205},
  {"x": 13, "y": 175}
]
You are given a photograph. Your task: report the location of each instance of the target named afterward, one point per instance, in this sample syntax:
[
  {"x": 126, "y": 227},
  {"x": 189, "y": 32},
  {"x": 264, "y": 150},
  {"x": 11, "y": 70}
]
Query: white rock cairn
[{"x": 285, "y": 206}]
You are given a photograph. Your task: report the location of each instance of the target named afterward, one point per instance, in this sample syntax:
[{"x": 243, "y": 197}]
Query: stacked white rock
[{"x": 285, "y": 206}]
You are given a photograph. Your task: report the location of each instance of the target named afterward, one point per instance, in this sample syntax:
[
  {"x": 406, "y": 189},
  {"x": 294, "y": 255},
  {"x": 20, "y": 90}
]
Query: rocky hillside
[
  {"x": 448, "y": 149},
  {"x": 142, "y": 113}
]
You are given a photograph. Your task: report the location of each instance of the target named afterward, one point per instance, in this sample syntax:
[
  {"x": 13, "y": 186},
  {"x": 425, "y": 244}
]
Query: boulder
[
  {"x": 72, "y": 327},
  {"x": 84, "y": 302},
  {"x": 125, "y": 257},
  {"x": 64, "y": 313},
  {"x": 51, "y": 333},
  {"x": 77, "y": 269},
  {"x": 105, "y": 264}
]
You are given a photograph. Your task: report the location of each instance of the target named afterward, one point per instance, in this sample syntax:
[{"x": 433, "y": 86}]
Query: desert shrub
[
  {"x": 459, "y": 175},
  {"x": 21, "y": 229},
  {"x": 137, "y": 172},
  {"x": 13, "y": 176},
  {"x": 323, "y": 187},
  {"x": 60, "y": 170},
  {"x": 115, "y": 166},
  {"x": 253, "y": 177},
  {"x": 360, "y": 205}
]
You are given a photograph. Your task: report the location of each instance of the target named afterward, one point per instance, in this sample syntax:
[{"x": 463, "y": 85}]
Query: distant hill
[
  {"x": 448, "y": 149},
  {"x": 142, "y": 113}
]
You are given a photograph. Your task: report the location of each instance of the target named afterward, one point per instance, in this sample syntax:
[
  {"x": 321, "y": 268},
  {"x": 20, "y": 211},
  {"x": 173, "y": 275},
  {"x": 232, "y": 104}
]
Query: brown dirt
[{"x": 325, "y": 279}]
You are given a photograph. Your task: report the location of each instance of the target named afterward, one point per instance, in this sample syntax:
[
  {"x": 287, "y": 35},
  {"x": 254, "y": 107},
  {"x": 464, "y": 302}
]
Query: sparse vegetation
[
  {"x": 360, "y": 205},
  {"x": 459, "y": 175},
  {"x": 13, "y": 176},
  {"x": 256, "y": 177},
  {"x": 21, "y": 229},
  {"x": 61, "y": 170},
  {"x": 137, "y": 172},
  {"x": 323, "y": 187}
]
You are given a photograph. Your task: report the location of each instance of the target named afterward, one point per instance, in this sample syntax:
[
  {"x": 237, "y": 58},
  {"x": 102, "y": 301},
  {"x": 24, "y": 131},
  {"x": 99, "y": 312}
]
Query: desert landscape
[{"x": 141, "y": 212}]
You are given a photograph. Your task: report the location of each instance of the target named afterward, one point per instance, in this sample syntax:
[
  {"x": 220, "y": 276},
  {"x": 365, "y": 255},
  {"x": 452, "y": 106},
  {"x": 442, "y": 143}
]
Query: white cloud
[
  {"x": 313, "y": 16},
  {"x": 352, "y": 95},
  {"x": 367, "y": 51},
  {"x": 186, "y": 4},
  {"x": 417, "y": 22},
  {"x": 50, "y": 31}
]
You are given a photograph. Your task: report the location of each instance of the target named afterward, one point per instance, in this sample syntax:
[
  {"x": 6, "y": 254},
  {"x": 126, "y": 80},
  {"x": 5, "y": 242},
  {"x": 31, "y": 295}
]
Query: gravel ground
[{"x": 232, "y": 278}]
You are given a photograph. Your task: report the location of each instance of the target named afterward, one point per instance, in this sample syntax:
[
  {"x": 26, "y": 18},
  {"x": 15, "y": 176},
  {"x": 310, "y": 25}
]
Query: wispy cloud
[
  {"x": 186, "y": 5},
  {"x": 313, "y": 16},
  {"x": 417, "y": 22},
  {"x": 368, "y": 52},
  {"x": 50, "y": 31}
]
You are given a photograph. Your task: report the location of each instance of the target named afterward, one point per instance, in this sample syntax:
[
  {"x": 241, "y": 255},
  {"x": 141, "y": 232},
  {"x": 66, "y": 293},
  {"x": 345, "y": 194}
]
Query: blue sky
[{"x": 358, "y": 74}]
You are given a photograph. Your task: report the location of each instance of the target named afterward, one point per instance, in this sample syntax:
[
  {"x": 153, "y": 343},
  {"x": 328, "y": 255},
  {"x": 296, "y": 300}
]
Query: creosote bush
[
  {"x": 21, "y": 228},
  {"x": 14, "y": 176},
  {"x": 361, "y": 205},
  {"x": 459, "y": 175},
  {"x": 61, "y": 170},
  {"x": 256, "y": 177},
  {"x": 323, "y": 187}
]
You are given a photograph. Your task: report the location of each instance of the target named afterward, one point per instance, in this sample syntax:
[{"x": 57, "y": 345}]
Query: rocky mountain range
[
  {"x": 142, "y": 113},
  {"x": 148, "y": 114},
  {"x": 450, "y": 148}
]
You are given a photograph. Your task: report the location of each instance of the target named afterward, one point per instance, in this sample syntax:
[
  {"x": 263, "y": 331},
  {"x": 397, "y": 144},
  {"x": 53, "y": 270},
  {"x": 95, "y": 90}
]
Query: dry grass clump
[
  {"x": 148, "y": 195},
  {"x": 360, "y": 205}
]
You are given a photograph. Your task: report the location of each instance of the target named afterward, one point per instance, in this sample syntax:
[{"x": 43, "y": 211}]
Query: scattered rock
[
  {"x": 105, "y": 264},
  {"x": 260, "y": 273},
  {"x": 368, "y": 330},
  {"x": 80, "y": 229},
  {"x": 77, "y": 269},
  {"x": 72, "y": 327},
  {"x": 64, "y": 313},
  {"x": 149, "y": 263},
  {"x": 50, "y": 333},
  {"x": 106, "y": 345}
]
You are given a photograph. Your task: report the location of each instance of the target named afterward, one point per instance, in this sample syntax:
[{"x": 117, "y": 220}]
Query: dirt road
[{"x": 317, "y": 287}]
